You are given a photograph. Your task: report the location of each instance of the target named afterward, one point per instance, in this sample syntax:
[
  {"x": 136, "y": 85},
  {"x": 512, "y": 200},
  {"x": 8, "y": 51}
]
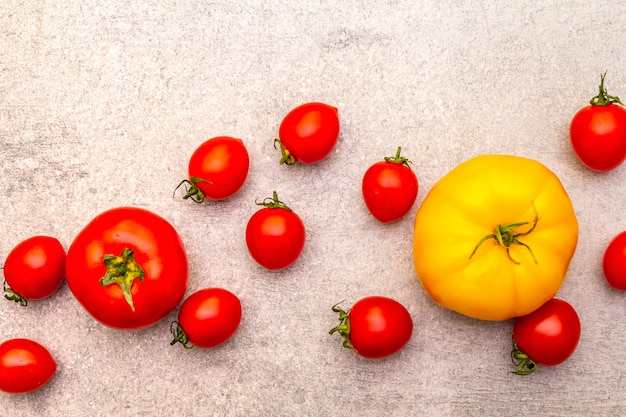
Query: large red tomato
[{"x": 128, "y": 268}]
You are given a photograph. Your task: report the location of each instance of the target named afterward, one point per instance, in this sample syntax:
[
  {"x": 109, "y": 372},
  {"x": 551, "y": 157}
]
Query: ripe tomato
[
  {"x": 614, "y": 262},
  {"x": 375, "y": 327},
  {"x": 34, "y": 269},
  {"x": 598, "y": 132},
  {"x": 275, "y": 234},
  {"x": 494, "y": 237},
  {"x": 207, "y": 318},
  {"x": 390, "y": 188},
  {"x": 128, "y": 268},
  {"x": 547, "y": 336},
  {"x": 308, "y": 133},
  {"x": 25, "y": 366},
  {"x": 217, "y": 169}
]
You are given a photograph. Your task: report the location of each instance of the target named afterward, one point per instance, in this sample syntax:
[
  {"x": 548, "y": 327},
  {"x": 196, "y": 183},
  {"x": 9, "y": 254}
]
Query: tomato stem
[
  {"x": 122, "y": 270},
  {"x": 193, "y": 192},
  {"x": 273, "y": 202},
  {"x": 287, "y": 157},
  {"x": 12, "y": 295},
  {"x": 400, "y": 160},
  {"x": 525, "y": 365},
  {"x": 603, "y": 98},
  {"x": 344, "y": 325},
  {"x": 179, "y": 335},
  {"x": 505, "y": 236}
]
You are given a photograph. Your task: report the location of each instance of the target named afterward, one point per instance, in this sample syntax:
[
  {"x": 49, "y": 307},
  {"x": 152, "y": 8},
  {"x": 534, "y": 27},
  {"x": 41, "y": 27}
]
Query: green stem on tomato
[
  {"x": 286, "y": 157},
  {"x": 122, "y": 270},
  {"x": 273, "y": 202},
  {"x": 179, "y": 335},
  {"x": 344, "y": 326},
  {"x": 12, "y": 295},
  {"x": 400, "y": 160},
  {"x": 505, "y": 236},
  {"x": 194, "y": 192},
  {"x": 603, "y": 98},
  {"x": 525, "y": 365}
]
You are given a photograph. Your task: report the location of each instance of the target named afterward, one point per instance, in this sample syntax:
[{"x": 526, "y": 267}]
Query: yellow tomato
[{"x": 494, "y": 237}]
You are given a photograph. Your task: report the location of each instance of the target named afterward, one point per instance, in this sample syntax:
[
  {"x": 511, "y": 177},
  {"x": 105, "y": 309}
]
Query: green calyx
[
  {"x": 603, "y": 98},
  {"x": 273, "y": 202},
  {"x": 193, "y": 191},
  {"x": 344, "y": 326},
  {"x": 506, "y": 236},
  {"x": 525, "y": 365},
  {"x": 12, "y": 295},
  {"x": 122, "y": 270},
  {"x": 400, "y": 160},
  {"x": 286, "y": 156},
  {"x": 179, "y": 335}
]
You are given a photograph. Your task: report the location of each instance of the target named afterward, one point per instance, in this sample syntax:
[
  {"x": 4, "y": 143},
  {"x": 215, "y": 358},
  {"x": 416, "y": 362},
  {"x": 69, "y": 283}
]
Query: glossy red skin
[
  {"x": 310, "y": 131},
  {"x": 275, "y": 237},
  {"x": 224, "y": 161},
  {"x": 158, "y": 250},
  {"x": 598, "y": 136},
  {"x": 209, "y": 317},
  {"x": 389, "y": 190},
  {"x": 25, "y": 366},
  {"x": 35, "y": 268},
  {"x": 379, "y": 327},
  {"x": 614, "y": 262},
  {"x": 550, "y": 334}
]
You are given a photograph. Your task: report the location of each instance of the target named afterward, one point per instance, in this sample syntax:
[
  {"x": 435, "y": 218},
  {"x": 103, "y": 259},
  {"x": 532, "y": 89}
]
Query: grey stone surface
[{"x": 102, "y": 103}]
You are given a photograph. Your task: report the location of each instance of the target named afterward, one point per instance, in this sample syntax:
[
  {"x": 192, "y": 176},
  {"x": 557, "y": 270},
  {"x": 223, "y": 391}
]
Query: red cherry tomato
[
  {"x": 34, "y": 269},
  {"x": 25, "y": 366},
  {"x": 375, "y": 327},
  {"x": 614, "y": 262},
  {"x": 275, "y": 235},
  {"x": 308, "y": 133},
  {"x": 217, "y": 169},
  {"x": 548, "y": 336},
  {"x": 598, "y": 132},
  {"x": 128, "y": 268},
  {"x": 389, "y": 188},
  {"x": 207, "y": 318}
]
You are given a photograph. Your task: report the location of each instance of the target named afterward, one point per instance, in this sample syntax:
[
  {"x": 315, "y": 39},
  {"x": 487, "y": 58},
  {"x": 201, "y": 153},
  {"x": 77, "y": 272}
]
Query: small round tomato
[
  {"x": 389, "y": 188},
  {"x": 25, "y": 366},
  {"x": 207, "y": 318},
  {"x": 275, "y": 234},
  {"x": 547, "y": 336},
  {"x": 34, "y": 269},
  {"x": 375, "y": 327},
  {"x": 614, "y": 262},
  {"x": 217, "y": 169},
  {"x": 308, "y": 133},
  {"x": 598, "y": 132},
  {"x": 128, "y": 268}
]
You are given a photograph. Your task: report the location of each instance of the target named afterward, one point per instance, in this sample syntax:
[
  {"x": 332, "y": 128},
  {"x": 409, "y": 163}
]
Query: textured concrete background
[{"x": 102, "y": 103}]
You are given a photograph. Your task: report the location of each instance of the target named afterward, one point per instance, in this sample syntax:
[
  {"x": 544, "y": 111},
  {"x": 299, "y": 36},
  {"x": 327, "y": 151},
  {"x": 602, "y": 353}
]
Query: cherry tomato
[
  {"x": 275, "y": 234},
  {"x": 308, "y": 133},
  {"x": 375, "y": 327},
  {"x": 217, "y": 169},
  {"x": 389, "y": 188},
  {"x": 128, "y": 268},
  {"x": 614, "y": 262},
  {"x": 547, "y": 336},
  {"x": 34, "y": 269},
  {"x": 25, "y": 366},
  {"x": 598, "y": 132},
  {"x": 207, "y": 318}
]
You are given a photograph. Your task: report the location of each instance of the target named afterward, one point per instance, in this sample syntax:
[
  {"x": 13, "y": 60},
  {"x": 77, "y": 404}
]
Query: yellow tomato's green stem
[{"x": 505, "y": 236}]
